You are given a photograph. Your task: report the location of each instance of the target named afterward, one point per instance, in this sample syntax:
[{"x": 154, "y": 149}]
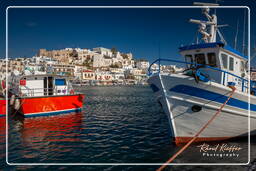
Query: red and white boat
[
  {"x": 2, "y": 100},
  {"x": 44, "y": 94},
  {"x": 2, "y": 106},
  {"x": 2, "y": 115}
]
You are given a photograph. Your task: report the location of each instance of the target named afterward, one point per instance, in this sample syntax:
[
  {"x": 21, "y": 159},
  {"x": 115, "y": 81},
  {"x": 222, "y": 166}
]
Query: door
[
  {"x": 50, "y": 86},
  {"x": 45, "y": 86}
]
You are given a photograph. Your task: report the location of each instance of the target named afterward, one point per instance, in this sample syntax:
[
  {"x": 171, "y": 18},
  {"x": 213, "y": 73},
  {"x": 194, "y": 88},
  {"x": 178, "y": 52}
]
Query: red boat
[
  {"x": 2, "y": 116},
  {"x": 2, "y": 107},
  {"x": 43, "y": 95},
  {"x": 2, "y": 99}
]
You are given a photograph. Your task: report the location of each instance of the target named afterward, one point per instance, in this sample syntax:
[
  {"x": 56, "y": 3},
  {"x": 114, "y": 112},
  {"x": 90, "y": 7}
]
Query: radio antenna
[
  {"x": 243, "y": 46},
  {"x": 235, "y": 42}
]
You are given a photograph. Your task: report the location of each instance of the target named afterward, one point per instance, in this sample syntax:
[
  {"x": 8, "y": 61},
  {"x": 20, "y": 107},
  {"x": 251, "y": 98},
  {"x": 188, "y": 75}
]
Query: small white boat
[{"x": 192, "y": 97}]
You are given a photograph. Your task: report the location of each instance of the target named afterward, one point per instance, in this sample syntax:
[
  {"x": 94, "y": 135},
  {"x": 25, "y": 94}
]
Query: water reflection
[
  {"x": 47, "y": 128},
  {"x": 2, "y": 137},
  {"x": 46, "y": 137},
  {"x": 2, "y": 129}
]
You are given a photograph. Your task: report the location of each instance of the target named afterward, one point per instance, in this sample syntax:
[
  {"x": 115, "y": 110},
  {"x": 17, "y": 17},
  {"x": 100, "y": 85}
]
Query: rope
[
  {"x": 19, "y": 108},
  {"x": 198, "y": 133}
]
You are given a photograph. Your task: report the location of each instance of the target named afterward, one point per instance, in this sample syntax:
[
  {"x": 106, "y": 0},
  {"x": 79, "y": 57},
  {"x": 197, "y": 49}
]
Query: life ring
[{"x": 72, "y": 91}]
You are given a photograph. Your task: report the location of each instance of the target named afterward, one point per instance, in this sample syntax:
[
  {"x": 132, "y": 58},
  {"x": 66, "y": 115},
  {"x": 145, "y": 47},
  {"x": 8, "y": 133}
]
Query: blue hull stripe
[
  {"x": 2, "y": 115},
  {"x": 53, "y": 113},
  {"x": 212, "y": 96}
]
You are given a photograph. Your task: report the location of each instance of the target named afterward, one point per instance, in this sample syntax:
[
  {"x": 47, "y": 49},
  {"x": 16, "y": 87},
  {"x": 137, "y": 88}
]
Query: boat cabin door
[
  {"x": 48, "y": 85},
  {"x": 189, "y": 59}
]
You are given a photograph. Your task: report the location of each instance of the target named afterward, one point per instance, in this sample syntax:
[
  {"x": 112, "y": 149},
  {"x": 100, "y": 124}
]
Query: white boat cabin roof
[
  {"x": 231, "y": 63},
  {"x": 216, "y": 45},
  {"x": 217, "y": 55}
]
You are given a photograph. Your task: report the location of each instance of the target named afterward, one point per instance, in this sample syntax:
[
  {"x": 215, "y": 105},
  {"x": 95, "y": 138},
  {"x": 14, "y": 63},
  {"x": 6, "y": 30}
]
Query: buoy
[
  {"x": 17, "y": 104},
  {"x": 12, "y": 99}
]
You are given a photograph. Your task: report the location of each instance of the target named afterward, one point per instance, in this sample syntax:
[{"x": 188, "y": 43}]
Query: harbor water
[{"x": 118, "y": 124}]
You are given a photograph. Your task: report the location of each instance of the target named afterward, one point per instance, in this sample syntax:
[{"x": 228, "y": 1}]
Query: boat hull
[
  {"x": 51, "y": 105},
  {"x": 2, "y": 107},
  {"x": 179, "y": 93}
]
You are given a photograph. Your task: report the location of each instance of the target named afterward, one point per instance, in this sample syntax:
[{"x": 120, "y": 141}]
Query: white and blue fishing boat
[{"x": 192, "y": 97}]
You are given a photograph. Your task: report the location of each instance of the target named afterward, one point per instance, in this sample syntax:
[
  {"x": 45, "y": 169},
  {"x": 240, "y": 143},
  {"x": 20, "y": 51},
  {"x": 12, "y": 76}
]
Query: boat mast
[
  {"x": 210, "y": 36},
  {"x": 235, "y": 42}
]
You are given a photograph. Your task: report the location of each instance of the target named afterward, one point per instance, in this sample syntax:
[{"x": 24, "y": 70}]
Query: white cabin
[
  {"x": 230, "y": 64},
  {"x": 41, "y": 85}
]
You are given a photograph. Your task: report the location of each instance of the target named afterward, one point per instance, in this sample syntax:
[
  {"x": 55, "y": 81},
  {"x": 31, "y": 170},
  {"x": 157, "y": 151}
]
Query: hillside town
[{"x": 99, "y": 66}]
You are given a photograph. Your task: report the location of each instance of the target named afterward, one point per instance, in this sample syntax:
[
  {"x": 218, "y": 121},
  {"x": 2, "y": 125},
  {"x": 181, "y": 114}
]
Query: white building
[
  {"x": 103, "y": 51},
  {"x": 43, "y": 60},
  {"x": 103, "y": 76},
  {"x": 84, "y": 54},
  {"x": 117, "y": 73},
  {"x": 137, "y": 74},
  {"x": 78, "y": 71},
  {"x": 101, "y": 61},
  {"x": 128, "y": 64},
  {"x": 142, "y": 64},
  {"x": 88, "y": 75}
]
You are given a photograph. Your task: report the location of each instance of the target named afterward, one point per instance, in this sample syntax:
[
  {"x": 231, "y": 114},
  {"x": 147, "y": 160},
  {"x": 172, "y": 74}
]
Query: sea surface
[{"x": 117, "y": 125}]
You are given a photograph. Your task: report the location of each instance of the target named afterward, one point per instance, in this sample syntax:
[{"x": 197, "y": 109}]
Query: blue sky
[{"x": 140, "y": 31}]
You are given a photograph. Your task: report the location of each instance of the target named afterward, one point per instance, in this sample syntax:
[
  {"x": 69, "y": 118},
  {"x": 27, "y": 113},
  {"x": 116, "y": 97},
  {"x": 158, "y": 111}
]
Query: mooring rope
[{"x": 199, "y": 132}]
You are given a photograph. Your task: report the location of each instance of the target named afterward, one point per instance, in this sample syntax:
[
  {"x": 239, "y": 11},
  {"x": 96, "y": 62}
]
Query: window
[
  {"x": 242, "y": 66},
  {"x": 212, "y": 59},
  {"x": 200, "y": 59},
  {"x": 60, "y": 82},
  {"x": 189, "y": 59},
  {"x": 231, "y": 64},
  {"x": 224, "y": 59}
]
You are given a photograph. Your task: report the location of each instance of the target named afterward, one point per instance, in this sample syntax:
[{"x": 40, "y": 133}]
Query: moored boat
[
  {"x": 45, "y": 94},
  {"x": 2, "y": 99},
  {"x": 2, "y": 106},
  {"x": 192, "y": 97}
]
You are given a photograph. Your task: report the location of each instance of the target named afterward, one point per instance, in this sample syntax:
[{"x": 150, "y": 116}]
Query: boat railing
[
  {"x": 244, "y": 82},
  {"x": 43, "y": 91},
  {"x": 30, "y": 91}
]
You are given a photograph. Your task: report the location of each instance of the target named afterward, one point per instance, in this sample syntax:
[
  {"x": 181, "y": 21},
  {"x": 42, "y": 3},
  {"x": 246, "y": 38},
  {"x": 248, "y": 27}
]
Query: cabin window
[
  {"x": 231, "y": 64},
  {"x": 60, "y": 82},
  {"x": 212, "y": 59},
  {"x": 189, "y": 59},
  {"x": 224, "y": 59},
  {"x": 200, "y": 59},
  {"x": 242, "y": 67}
]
